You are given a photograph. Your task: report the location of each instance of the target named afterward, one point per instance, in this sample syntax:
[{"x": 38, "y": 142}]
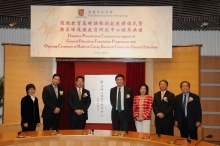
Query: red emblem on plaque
[{"x": 80, "y": 12}]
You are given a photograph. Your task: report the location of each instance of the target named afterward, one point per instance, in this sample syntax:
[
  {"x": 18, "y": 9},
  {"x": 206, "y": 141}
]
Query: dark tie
[
  {"x": 119, "y": 100},
  {"x": 184, "y": 105}
]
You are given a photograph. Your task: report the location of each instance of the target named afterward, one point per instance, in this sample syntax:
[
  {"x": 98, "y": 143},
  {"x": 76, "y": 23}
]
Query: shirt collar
[
  {"x": 187, "y": 94},
  {"x": 54, "y": 85},
  {"x": 32, "y": 96},
  {"x": 163, "y": 91},
  {"x": 78, "y": 88},
  {"x": 122, "y": 87}
]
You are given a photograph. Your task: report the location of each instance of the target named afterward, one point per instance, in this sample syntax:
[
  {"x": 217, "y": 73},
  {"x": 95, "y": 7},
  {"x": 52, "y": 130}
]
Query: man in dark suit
[
  {"x": 163, "y": 106},
  {"x": 79, "y": 101},
  {"x": 187, "y": 112},
  {"x": 121, "y": 99},
  {"x": 53, "y": 98}
]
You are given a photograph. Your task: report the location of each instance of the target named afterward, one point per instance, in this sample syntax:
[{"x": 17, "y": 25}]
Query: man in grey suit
[{"x": 121, "y": 98}]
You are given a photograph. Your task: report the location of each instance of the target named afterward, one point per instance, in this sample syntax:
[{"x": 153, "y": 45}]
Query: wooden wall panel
[
  {"x": 209, "y": 62},
  {"x": 210, "y": 120},
  {"x": 210, "y": 105},
  {"x": 182, "y": 54},
  {"x": 175, "y": 73},
  {"x": 209, "y": 91},
  {"x": 214, "y": 132},
  {"x": 210, "y": 77},
  {"x": 20, "y": 70},
  {"x": 184, "y": 65}
]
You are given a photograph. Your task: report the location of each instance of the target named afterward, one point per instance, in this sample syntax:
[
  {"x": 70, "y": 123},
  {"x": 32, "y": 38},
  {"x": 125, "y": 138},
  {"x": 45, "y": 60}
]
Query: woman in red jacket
[{"x": 142, "y": 106}]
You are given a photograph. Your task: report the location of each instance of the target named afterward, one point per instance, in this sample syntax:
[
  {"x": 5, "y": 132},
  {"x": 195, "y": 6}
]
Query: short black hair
[
  {"x": 184, "y": 82},
  {"x": 80, "y": 77},
  {"x": 139, "y": 93},
  {"x": 57, "y": 75},
  {"x": 119, "y": 75},
  {"x": 30, "y": 86},
  {"x": 165, "y": 81}
]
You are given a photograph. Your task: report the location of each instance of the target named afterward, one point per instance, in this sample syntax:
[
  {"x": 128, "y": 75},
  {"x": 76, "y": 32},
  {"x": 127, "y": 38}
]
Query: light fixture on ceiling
[
  {"x": 12, "y": 24},
  {"x": 204, "y": 24}
]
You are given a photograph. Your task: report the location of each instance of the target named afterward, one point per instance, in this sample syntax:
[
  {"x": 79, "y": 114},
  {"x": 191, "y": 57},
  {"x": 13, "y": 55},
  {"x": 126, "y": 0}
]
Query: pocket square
[{"x": 85, "y": 95}]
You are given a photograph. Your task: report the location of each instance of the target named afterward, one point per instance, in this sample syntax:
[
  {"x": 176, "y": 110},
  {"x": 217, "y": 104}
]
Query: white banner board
[
  {"x": 101, "y": 31},
  {"x": 99, "y": 87}
]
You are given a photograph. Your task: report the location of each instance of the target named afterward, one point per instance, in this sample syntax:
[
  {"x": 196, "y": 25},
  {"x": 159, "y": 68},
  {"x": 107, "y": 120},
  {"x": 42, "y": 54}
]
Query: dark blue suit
[
  {"x": 120, "y": 120},
  {"x": 166, "y": 124},
  {"x": 78, "y": 121},
  {"x": 187, "y": 125},
  {"x": 50, "y": 119}
]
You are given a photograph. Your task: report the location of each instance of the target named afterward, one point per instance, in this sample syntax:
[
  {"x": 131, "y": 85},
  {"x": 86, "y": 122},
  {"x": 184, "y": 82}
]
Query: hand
[
  {"x": 198, "y": 124},
  {"x": 78, "y": 111},
  {"x": 176, "y": 123},
  {"x": 160, "y": 115},
  {"x": 140, "y": 119},
  {"x": 57, "y": 110},
  {"x": 25, "y": 125},
  {"x": 82, "y": 111},
  {"x": 38, "y": 124}
]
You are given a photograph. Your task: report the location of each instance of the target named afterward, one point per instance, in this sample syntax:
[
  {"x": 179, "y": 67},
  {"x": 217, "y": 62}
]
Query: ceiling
[{"x": 187, "y": 14}]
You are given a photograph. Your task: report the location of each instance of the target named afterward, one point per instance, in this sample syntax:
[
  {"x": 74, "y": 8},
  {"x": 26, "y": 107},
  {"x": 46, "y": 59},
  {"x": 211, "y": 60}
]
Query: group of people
[{"x": 183, "y": 111}]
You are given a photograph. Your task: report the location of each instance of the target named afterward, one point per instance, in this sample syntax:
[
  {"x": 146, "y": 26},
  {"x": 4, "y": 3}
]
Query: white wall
[{"x": 209, "y": 39}]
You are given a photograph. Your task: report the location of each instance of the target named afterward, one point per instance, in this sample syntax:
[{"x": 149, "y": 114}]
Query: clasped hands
[
  {"x": 56, "y": 111},
  {"x": 160, "y": 115},
  {"x": 139, "y": 119},
  {"x": 79, "y": 112}
]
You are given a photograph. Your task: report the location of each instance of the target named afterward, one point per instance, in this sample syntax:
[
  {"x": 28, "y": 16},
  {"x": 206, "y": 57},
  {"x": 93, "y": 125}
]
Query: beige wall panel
[
  {"x": 208, "y": 62},
  {"x": 209, "y": 91},
  {"x": 183, "y": 55},
  {"x": 184, "y": 65},
  {"x": 210, "y": 120},
  {"x": 20, "y": 70},
  {"x": 210, "y": 105},
  {"x": 210, "y": 77},
  {"x": 175, "y": 73},
  {"x": 214, "y": 132}
]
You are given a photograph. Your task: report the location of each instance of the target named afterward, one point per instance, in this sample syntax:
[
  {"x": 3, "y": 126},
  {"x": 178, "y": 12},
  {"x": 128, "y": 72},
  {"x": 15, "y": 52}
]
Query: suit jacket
[
  {"x": 51, "y": 101},
  {"x": 29, "y": 110},
  {"x": 194, "y": 111},
  {"x": 165, "y": 107},
  {"x": 128, "y": 101},
  {"x": 74, "y": 103}
]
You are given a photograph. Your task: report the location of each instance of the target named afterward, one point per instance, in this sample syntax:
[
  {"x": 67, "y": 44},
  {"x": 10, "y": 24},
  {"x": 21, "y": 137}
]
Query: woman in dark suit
[{"x": 29, "y": 110}]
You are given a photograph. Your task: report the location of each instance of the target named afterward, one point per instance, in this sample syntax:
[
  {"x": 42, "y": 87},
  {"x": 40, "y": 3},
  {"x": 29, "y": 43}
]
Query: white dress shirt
[{"x": 32, "y": 97}]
